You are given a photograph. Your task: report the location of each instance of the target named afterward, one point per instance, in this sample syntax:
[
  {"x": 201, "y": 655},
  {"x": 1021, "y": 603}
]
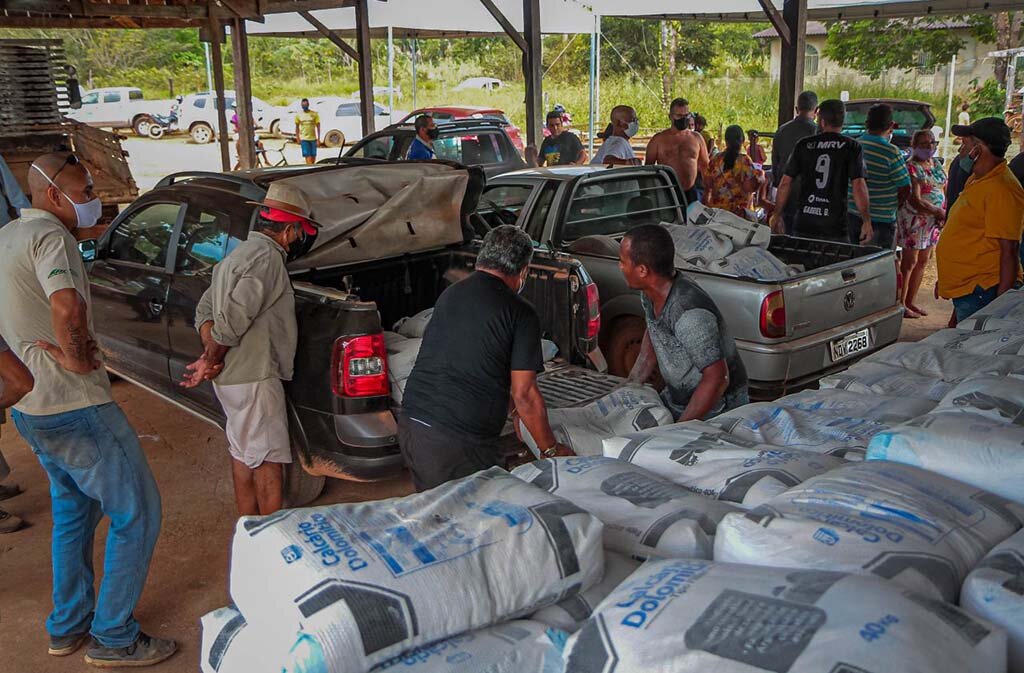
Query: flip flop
[{"x": 919, "y": 311}]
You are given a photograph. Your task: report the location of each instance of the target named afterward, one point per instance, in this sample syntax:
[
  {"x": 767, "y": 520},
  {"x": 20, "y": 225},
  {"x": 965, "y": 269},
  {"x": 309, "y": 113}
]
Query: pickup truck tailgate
[{"x": 567, "y": 386}]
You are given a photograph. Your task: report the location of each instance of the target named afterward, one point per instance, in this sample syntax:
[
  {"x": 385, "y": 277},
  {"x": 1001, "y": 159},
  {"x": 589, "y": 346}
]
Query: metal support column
[
  {"x": 391, "y": 75},
  {"x": 365, "y": 66},
  {"x": 415, "y": 48},
  {"x": 595, "y": 47},
  {"x": 243, "y": 94},
  {"x": 533, "y": 72},
  {"x": 215, "y": 33},
  {"x": 791, "y": 72}
]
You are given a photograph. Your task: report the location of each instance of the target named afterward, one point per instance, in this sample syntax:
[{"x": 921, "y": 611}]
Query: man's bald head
[
  {"x": 57, "y": 182},
  {"x": 623, "y": 114}
]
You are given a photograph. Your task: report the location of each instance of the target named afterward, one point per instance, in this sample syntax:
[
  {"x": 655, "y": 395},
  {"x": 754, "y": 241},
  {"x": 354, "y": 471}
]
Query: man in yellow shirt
[
  {"x": 307, "y": 131},
  {"x": 978, "y": 252}
]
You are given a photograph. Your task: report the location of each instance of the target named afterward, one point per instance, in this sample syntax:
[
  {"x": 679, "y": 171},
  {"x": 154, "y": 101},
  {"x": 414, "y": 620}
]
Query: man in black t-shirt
[
  {"x": 826, "y": 165},
  {"x": 561, "y": 148},
  {"x": 481, "y": 348}
]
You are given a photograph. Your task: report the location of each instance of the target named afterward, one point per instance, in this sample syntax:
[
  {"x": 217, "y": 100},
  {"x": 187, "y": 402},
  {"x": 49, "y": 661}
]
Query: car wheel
[
  {"x": 300, "y": 487},
  {"x": 623, "y": 344},
  {"x": 201, "y": 134},
  {"x": 141, "y": 125},
  {"x": 275, "y": 128},
  {"x": 334, "y": 138}
]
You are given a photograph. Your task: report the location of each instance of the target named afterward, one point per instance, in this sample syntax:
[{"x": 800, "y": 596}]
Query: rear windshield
[
  {"x": 907, "y": 121},
  {"x": 615, "y": 205},
  {"x": 472, "y": 150}
]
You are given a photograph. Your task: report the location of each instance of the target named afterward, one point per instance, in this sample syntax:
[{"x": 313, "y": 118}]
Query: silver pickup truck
[{"x": 841, "y": 307}]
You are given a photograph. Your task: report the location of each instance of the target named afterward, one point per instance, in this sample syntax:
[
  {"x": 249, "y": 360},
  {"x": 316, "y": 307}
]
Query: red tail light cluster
[
  {"x": 773, "y": 315},
  {"x": 359, "y": 366},
  {"x": 593, "y": 312}
]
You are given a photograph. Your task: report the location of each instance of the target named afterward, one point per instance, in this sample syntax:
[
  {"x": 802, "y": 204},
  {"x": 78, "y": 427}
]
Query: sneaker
[
  {"x": 145, "y": 651},
  {"x": 62, "y": 646},
  {"x": 9, "y": 491},
  {"x": 9, "y": 523}
]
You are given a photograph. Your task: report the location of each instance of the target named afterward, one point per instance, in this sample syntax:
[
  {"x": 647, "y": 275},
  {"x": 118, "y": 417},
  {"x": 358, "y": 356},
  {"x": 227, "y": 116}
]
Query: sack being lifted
[
  {"x": 995, "y": 591},
  {"x": 692, "y": 616},
  {"x": 703, "y": 459},
  {"x": 644, "y": 515},
  {"x": 363, "y": 582},
  {"x": 914, "y": 527}
]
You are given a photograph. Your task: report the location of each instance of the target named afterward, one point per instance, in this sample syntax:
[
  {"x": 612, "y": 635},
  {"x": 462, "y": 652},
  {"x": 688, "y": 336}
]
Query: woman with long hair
[
  {"x": 731, "y": 180},
  {"x": 920, "y": 217}
]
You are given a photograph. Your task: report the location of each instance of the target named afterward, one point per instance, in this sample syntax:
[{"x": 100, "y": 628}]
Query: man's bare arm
[
  {"x": 785, "y": 187},
  {"x": 714, "y": 381},
  {"x": 703, "y": 160},
  {"x": 1009, "y": 254},
  {"x": 861, "y": 198},
  {"x": 651, "y": 155},
  {"x": 646, "y": 361},
  {"x": 75, "y": 349},
  {"x": 531, "y": 409},
  {"x": 15, "y": 379}
]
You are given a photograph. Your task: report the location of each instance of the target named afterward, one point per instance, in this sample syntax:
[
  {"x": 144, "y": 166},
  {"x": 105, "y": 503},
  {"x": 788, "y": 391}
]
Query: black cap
[{"x": 992, "y": 131}]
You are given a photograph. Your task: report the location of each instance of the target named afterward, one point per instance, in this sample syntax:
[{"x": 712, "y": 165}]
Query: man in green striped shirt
[{"x": 887, "y": 176}]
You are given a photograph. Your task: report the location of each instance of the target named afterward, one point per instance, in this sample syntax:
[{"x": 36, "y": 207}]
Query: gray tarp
[{"x": 374, "y": 212}]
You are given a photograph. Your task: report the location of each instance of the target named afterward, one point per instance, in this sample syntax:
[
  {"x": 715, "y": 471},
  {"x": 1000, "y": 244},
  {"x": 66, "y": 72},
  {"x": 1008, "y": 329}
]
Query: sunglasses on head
[{"x": 71, "y": 160}]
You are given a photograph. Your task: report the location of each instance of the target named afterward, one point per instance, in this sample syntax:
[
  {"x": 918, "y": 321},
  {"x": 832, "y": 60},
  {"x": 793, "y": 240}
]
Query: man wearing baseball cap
[
  {"x": 247, "y": 323},
  {"x": 977, "y": 254}
]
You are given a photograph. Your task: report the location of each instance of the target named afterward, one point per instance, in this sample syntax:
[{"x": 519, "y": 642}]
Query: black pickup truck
[{"x": 400, "y": 231}]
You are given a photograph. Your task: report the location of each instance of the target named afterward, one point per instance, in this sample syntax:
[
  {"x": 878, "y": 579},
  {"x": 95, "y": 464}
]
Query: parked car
[
  {"x": 475, "y": 142},
  {"x": 789, "y": 333},
  {"x": 119, "y": 107},
  {"x": 486, "y": 83},
  {"x": 341, "y": 122},
  {"x": 156, "y": 259},
  {"x": 197, "y": 114},
  {"x": 909, "y": 115},
  {"x": 459, "y": 112}
]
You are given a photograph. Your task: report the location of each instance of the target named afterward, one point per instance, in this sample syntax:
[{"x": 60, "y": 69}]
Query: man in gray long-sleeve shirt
[{"x": 247, "y": 323}]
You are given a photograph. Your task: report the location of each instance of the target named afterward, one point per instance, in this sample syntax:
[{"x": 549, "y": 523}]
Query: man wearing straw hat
[{"x": 247, "y": 323}]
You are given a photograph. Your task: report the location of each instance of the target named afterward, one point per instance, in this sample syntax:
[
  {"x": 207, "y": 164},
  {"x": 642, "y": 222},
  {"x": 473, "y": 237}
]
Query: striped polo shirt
[{"x": 886, "y": 174}]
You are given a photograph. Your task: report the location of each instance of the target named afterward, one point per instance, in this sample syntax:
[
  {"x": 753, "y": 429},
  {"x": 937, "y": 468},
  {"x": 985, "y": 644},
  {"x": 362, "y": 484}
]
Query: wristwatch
[{"x": 551, "y": 452}]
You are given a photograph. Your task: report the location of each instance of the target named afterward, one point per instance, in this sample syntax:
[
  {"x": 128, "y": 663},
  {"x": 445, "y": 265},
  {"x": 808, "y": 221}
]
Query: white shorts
[{"x": 257, "y": 426}]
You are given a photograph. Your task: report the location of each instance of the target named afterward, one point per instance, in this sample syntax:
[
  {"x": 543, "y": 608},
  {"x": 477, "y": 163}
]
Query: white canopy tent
[{"x": 818, "y": 10}]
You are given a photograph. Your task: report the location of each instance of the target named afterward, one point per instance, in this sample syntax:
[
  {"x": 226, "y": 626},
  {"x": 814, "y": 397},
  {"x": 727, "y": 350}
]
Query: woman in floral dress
[
  {"x": 731, "y": 179},
  {"x": 920, "y": 217}
]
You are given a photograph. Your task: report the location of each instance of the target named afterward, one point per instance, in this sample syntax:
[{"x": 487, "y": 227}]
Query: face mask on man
[
  {"x": 682, "y": 123},
  {"x": 433, "y": 133},
  {"x": 305, "y": 107},
  {"x": 633, "y": 128},
  {"x": 87, "y": 214},
  {"x": 967, "y": 162}
]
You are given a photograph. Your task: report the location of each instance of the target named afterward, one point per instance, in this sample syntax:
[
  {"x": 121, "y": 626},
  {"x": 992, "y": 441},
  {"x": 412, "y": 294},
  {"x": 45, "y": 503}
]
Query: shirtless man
[{"x": 682, "y": 149}]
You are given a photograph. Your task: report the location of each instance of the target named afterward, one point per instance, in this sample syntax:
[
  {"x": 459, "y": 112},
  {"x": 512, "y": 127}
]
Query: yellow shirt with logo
[
  {"x": 39, "y": 257},
  {"x": 306, "y": 123},
  {"x": 989, "y": 209}
]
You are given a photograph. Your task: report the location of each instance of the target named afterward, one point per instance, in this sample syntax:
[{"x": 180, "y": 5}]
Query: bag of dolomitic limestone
[
  {"x": 743, "y": 233},
  {"x": 696, "y": 247},
  {"x": 753, "y": 262},
  {"x": 413, "y": 327},
  {"x": 363, "y": 582},
  {"x": 919, "y": 529},
  {"x": 644, "y": 516},
  {"x": 693, "y": 616},
  {"x": 703, "y": 459},
  {"x": 570, "y": 614},
  {"x": 1004, "y": 341},
  {"x": 975, "y": 435},
  {"x": 582, "y": 429},
  {"x": 885, "y": 409},
  {"x": 1008, "y": 306},
  {"x": 995, "y": 591},
  {"x": 402, "y": 353},
  {"x": 948, "y": 365},
  {"x": 873, "y": 378}
]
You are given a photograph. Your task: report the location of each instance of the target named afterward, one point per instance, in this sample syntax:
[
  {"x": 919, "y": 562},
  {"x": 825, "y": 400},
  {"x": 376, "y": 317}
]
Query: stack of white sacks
[
  {"x": 767, "y": 542},
  {"x": 720, "y": 241}
]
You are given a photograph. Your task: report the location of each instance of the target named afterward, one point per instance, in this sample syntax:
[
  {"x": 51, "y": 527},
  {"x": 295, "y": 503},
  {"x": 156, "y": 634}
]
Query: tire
[
  {"x": 334, "y": 138},
  {"x": 156, "y": 131},
  {"x": 623, "y": 344},
  {"x": 300, "y": 487},
  {"x": 201, "y": 133},
  {"x": 141, "y": 125},
  {"x": 275, "y": 128}
]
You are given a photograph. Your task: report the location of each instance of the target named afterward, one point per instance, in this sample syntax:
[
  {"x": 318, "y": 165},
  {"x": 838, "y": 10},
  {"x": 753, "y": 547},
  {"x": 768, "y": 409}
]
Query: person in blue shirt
[
  {"x": 422, "y": 146},
  {"x": 12, "y": 199}
]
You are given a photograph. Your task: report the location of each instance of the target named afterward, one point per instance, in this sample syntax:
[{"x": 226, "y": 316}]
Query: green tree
[{"x": 874, "y": 46}]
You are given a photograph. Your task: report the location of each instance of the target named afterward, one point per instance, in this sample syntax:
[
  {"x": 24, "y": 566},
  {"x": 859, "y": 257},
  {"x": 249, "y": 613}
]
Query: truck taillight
[
  {"x": 773, "y": 315},
  {"x": 593, "y": 311},
  {"x": 359, "y": 366}
]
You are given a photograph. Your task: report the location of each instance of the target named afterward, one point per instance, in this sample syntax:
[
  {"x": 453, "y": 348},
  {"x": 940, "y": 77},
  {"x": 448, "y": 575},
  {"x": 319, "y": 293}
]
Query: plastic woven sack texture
[{"x": 995, "y": 591}]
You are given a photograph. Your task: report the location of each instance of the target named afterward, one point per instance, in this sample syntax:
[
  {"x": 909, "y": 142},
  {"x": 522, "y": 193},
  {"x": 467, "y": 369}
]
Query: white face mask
[
  {"x": 87, "y": 214},
  {"x": 633, "y": 128}
]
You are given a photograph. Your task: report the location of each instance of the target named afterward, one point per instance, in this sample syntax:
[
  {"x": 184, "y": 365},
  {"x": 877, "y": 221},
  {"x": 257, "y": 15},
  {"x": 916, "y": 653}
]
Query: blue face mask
[{"x": 967, "y": 164}]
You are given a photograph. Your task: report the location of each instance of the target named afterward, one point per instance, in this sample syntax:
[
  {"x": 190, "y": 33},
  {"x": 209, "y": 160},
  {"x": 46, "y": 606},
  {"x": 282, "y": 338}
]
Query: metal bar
[
  {"x": 505, "y": 24},
  {"x": 415, "y": 48},
  {"x": 791, "y": 71},
  {"x": 532, "y": 68},
  {"x": 949, "y": 106},
  {"x": 365, "y": 66},
  {"x": 217, "y": 34},
  {"x": 330, "y": 35},
  {"x": 243, "y": 94},
  {"x": 594, "y": 45},
  {"x": 391, "y": 75}
]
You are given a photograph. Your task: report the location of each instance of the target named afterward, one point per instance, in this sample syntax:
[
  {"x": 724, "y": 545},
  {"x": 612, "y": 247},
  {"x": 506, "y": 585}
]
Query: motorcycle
[{"x": 163, "y": 124}]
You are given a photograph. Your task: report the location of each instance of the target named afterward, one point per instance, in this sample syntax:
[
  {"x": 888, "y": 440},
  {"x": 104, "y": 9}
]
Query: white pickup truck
[{"x": 120, "y": 107}]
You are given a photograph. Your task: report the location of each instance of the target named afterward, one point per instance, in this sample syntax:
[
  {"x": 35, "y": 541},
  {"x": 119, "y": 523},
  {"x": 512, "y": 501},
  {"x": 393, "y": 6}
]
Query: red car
[{"x": 459, "y": 112}]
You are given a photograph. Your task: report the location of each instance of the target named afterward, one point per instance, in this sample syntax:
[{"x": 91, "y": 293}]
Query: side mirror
[{"x": 88, "y": 248}]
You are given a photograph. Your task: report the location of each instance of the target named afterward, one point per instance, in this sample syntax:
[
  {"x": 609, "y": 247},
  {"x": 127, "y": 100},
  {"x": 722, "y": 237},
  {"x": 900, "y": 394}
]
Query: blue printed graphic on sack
[
  {"x": 826, "y": 536},
  {"x": 291, "y": 553}
]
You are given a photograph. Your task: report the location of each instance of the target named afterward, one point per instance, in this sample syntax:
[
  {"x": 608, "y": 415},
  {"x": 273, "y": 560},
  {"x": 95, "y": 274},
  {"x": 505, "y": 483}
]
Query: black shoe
[
  {"x": 145, "y": 651},
  {"x": 62, "y": 646}
]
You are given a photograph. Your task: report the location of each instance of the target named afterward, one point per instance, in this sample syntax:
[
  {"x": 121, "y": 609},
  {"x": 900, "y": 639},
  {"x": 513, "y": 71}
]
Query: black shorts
[{"x": 435, "y": 455}]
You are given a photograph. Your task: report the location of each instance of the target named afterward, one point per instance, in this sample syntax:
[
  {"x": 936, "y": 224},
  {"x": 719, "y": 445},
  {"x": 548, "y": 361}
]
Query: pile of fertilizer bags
[
  {"x": 722, "y": 242},
  {"x": 871, "y": 526}
]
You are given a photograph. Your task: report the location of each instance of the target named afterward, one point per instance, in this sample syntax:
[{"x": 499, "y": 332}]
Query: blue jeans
[
  {"x": 969, "y": 304},
  {"x": 96, "y": 466},
  {"x": 308, "y": 148}
]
